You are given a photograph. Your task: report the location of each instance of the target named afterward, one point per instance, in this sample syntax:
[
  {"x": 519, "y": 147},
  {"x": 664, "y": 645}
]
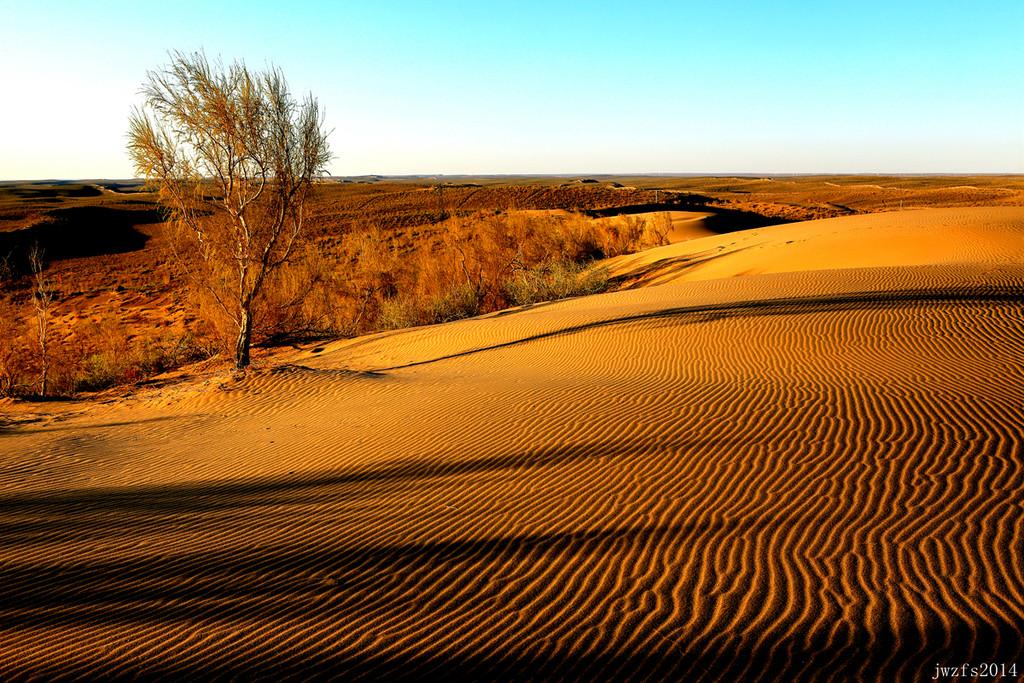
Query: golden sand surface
[{"x": 787, "y": 453}]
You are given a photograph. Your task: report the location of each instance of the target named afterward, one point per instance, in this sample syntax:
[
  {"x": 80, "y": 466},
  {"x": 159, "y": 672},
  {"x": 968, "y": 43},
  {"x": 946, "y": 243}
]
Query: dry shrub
[
  {"x": 22, "y": 365},
  {"x": 629, "y": 233},
  {"x": 558, "y": 280},
  {"x": 93, "y": 356},
  {"x": 376, "y": 266},
  {"x": 214, "y": 323},
  {"x": 365, "y": 280},
  {"x": 8, "y": 271},
  {"x": 300, "y": 299},
  {"x": 456, "y": 303},
  {"x": 15, "y": 352},
  {"x": 467, "y": 266},
  {"x": 109, "y": 355}
]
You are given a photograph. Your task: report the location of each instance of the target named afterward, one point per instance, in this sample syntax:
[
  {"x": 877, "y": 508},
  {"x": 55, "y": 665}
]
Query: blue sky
[{"x": 549, "y": 87}]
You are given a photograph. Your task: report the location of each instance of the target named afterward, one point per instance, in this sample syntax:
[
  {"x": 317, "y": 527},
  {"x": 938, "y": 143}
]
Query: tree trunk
[
  {"x": 44, "y": 358},
  {"x": 244, "y": 340}
]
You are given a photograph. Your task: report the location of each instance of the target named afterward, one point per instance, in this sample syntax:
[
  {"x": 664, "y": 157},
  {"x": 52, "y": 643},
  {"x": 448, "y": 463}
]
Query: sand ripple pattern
[{"x": 690, "y": 482}]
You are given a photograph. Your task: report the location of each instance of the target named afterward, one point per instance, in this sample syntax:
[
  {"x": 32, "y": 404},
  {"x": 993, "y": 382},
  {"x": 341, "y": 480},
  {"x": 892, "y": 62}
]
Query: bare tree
[
  {"x": 235, "y": 156},
  {"x": 8, "y": 329},
  {"x": 42, "y": 297}
]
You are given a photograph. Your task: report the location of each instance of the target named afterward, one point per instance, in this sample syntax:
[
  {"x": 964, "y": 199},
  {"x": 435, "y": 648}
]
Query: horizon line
[{"x": 639, "y": 174}]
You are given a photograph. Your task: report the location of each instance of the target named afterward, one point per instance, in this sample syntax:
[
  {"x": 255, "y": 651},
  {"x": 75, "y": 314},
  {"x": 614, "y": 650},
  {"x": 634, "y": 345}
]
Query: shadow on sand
[
  {"x": 253, "y": 590},
  {"x": 721, "y": 220},
  {"x": 80, "y": 231}
]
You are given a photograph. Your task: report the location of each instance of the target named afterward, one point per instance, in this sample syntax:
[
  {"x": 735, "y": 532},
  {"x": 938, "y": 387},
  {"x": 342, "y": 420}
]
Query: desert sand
[{"x": 786, "y": 453}]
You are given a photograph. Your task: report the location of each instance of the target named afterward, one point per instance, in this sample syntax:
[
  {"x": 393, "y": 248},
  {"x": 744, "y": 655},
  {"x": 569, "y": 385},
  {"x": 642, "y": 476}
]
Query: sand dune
[
  {"x": 813, "y": 471},
  {"x": 988, "y": 236}
]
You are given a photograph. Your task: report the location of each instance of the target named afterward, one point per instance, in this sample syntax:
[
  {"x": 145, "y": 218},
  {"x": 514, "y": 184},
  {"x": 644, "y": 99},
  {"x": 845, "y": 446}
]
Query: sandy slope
[
  {"x": 989, "y": 235},
  {"x": 813, "y": 474}
]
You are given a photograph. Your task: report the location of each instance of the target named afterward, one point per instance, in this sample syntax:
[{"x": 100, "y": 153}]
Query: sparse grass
[
  {"x": 461, "y": 301},
  {"x": 547, "y": 282},
  {"x": 121, "y": 362}
]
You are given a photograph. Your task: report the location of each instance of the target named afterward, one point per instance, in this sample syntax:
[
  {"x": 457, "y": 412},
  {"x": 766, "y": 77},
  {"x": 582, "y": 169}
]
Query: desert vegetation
[
  {"x": 365, "y": 275},
  {"x": 483, "y": 263},
  {"x": 235, "y": 157},
  {"x": 379, "y": 254}
]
